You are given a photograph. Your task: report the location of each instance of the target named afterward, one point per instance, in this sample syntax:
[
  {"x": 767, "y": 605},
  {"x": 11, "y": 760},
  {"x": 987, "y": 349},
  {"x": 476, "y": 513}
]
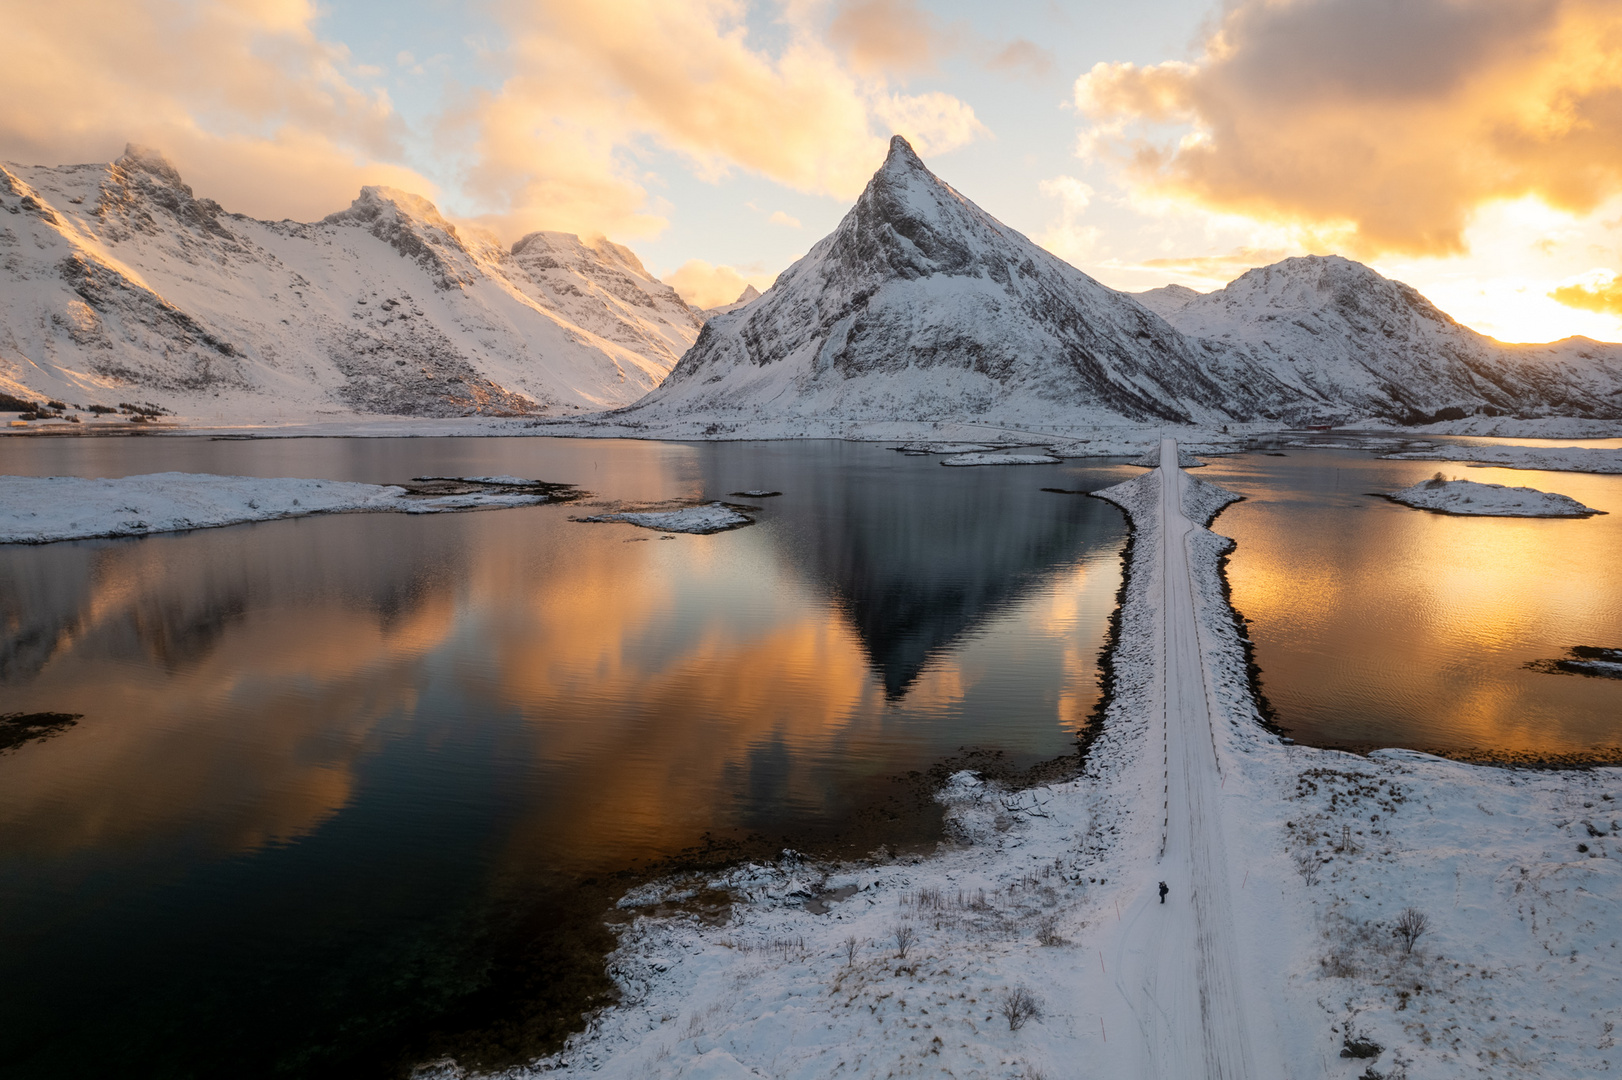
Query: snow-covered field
[
  {"x": 1277, "y": 951},
  {"x": 45, "y": 509},
  {"x": 1470, "y": 499},
  {"x": 709, "y": 518}
]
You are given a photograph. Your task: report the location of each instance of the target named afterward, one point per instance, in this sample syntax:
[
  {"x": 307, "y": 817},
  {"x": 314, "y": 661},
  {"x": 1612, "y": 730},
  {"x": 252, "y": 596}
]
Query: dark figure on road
[{"x": 1163, "y": 892}]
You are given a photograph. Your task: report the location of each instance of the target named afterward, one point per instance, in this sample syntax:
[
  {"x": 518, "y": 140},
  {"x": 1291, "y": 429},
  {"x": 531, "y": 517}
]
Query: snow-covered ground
[
  {"x": 1275, "y": 954},
  {"x": 1545, "y": 458},
  {"x": 1470, "y": 499},
  {"x": 45, "y": 509},
  {"x": 709, "y": 518}
]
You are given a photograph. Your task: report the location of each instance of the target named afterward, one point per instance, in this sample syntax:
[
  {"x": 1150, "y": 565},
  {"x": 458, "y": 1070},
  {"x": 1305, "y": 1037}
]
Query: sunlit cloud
[
  {"x": 1068, "y": 237},
  {"x": 1603, "y": 295},
  {"x": 256, "y": 110},
  {"x": 1393, "y": 122},
  {"x": 706, "y": 285},
  {"x": 1022, "y": 57},
  {"x": 596, "y": 86},
  {"x": 889, "y": 36},
  {"x": 780, "y": 218}
]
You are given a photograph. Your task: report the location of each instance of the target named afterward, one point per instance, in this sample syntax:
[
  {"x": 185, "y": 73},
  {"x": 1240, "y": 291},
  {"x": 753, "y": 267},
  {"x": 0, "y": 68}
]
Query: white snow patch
[
  {"x": 965, "y": 460},
  {"x": 709, "y": 518},
  {"x": 45, "y": 509}
]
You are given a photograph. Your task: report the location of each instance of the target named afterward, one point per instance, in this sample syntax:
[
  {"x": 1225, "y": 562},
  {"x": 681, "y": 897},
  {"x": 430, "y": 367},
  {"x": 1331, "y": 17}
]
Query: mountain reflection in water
[{"x": 359, "y": 734}]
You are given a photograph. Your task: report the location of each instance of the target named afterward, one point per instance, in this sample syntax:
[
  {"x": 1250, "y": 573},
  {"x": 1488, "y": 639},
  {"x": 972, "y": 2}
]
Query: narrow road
[{"x": 1177, "y": 965}]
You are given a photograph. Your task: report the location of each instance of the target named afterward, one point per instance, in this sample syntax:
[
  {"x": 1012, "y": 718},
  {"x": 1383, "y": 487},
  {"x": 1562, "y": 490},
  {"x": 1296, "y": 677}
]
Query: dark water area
[
  {"x": 349, "y": 791},
  {"x": 1379, "y": 625}
]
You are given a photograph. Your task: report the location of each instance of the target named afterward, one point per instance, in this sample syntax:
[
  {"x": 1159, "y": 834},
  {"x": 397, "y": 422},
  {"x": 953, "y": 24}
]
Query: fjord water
[
  {"x": 1379, "y": 625},
  {"x": 353, "y": 789}
]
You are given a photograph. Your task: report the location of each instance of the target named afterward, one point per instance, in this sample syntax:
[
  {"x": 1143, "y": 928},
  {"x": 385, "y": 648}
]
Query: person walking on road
[{"x": 1163, "y": 891}]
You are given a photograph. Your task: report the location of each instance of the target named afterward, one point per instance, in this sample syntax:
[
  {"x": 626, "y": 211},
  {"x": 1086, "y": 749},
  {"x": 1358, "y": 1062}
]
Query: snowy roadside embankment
[
  {"x": 1470, "y": 499},
  {"x": 1003, "y": 954},
  {"x": 1547, "y": 458},
  {"x": 46, "y": 509}
]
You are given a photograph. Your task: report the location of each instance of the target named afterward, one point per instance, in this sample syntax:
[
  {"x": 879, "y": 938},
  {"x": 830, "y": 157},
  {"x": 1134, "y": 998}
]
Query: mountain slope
[
  {"x": 920, "y": 305},
  {"x": 1336, "y": 333},
  {"x": 116, "y": 283}
]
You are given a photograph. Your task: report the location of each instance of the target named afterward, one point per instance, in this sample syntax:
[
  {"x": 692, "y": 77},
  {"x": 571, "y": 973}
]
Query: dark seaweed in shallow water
[
  {"x": 1590, "y": 660},
  {"x": 18, "y": 727}
]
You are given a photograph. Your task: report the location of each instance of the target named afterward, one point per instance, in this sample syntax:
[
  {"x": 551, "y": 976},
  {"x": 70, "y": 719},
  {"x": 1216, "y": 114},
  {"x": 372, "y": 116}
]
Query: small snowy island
[
  {"x": 1468, "y": 498},
  {"x": 968, "y": 460},
  {"x": 48, "y": 509},
  {"x": 698, "y": 520}
]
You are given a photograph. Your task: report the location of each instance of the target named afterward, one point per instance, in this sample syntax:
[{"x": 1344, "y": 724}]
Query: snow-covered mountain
[
  {"x": 920, "y": 305},
  {"x": 1334, "y": 334},
  {"x": 116, "y": 283},
  {"x": 749, "y": 293}
]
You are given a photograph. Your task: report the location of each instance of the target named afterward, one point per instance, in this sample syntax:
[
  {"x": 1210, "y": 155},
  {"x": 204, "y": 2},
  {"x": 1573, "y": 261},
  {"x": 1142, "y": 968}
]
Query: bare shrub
[
  {"x": 904, "y": 935},
  {"x": 925, "y": 899},
  {"x": 1308, "y": 866},
  {"x": 1410, "y": 925},
  {"x": 1032, "y": 1072},
  {"x": 1018, "y": 1006},
  {"x": 1047, "y": 931},
  {"x": 1439, "y": 480},
  {"x": 852, "y": 947}
]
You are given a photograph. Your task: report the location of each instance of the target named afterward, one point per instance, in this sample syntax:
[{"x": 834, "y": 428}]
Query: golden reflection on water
[
  {"x": 659, "y": 682},
  {"x": 1376, "y": 623}
]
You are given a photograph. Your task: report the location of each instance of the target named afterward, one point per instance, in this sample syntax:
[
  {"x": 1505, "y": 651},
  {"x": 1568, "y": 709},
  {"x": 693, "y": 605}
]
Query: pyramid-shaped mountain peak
[
  {"x": 901, "y": 156},
  {"x": 921, "y": 304}
]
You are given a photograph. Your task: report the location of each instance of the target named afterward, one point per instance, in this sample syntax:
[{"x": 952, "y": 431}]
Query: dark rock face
[{"x": 920, "y": 305}]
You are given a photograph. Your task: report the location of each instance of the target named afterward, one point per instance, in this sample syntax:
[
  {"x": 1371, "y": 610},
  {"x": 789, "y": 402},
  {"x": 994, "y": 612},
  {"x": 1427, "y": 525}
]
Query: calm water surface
[
  {"x": 354, "y": 788},
  {"x": 1378, "y": 624}
]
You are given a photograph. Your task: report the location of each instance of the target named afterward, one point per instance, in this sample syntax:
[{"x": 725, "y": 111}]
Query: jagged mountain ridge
[
  {"x": 921, "y": 305},
  {"x": 1334, "y": 333},
  {"x": 117, "y": 282}
]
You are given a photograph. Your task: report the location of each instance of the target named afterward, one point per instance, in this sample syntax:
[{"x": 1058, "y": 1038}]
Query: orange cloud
[
  {"x": 558, "y": 144},
  {"x": 705, "y": 285},
  {"x": 1394, "y": 122},
  {"x": 1604, "y": 297},
  {"x": 1022, "y": 57},
  {"x": 888, "y": 35},
  {"x": 254, "y": 108}
]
